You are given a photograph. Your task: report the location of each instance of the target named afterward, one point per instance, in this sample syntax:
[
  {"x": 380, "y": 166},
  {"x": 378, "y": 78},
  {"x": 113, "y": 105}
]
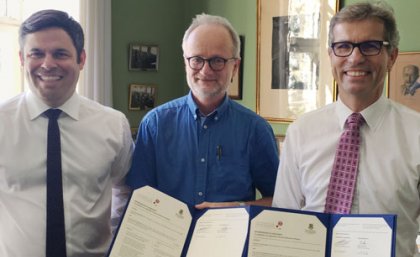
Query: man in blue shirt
[{"x": 203, "y": 148}]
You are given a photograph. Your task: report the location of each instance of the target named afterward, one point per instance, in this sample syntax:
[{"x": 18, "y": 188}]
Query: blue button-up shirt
[{"x": 224, "y": 158}]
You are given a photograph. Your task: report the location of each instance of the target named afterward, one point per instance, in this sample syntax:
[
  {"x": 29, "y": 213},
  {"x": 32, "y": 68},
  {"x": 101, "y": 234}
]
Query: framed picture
[
  {"x": 293, "y": 66},
  {"x": 142, "y": 97},
  {"x": 235, "y": 89},
  {"x": 143, "y": 57},
  {"x": 404, "y": 82}
]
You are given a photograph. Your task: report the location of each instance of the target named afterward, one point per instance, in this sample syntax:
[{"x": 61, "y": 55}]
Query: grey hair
[
  {"x": 205, "y": 19},
  {"x": 369, "y": 10}
]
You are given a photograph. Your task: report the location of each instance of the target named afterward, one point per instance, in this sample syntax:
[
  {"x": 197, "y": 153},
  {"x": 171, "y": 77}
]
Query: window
[{"x": 12, "y": 13}]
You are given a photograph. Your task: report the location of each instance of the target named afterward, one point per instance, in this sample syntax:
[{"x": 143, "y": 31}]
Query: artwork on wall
[
  {"x": 235, "y": 89},
  {"x": 143, "y": 57},
  {"x": 293, "y": 74},
  {"x": 404, "y": 81},
  {"x": 142, "y": 97}
]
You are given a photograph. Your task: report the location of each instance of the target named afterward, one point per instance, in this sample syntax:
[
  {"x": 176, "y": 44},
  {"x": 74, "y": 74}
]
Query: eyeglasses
[
  {"x": 216, "y": 63},
  {"x": 367, "y": 48}
]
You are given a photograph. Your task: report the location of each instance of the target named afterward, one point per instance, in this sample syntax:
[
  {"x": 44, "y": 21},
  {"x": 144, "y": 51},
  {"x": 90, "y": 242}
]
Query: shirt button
[
  {"x": 200, "y": 193},
  {"x": 205, "y": 126},
  {"x": 216, "y": 118},
  {"x": 203, "y": 160}
]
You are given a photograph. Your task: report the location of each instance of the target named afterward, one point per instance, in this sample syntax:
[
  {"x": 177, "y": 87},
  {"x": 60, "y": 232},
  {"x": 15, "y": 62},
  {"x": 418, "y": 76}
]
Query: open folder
[{"x": 158, "y": 225}]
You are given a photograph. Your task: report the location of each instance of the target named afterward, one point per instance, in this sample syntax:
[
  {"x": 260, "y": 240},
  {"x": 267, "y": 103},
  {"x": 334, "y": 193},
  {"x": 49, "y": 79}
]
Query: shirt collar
[
  {"x": 372, "y": 114},
  {"x": 194, "y": 108},
  {"x": 36, "y": 106}
]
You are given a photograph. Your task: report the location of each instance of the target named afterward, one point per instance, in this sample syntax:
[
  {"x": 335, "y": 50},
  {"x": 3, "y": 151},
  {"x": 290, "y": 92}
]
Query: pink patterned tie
[{"x": 344, "y": 173}]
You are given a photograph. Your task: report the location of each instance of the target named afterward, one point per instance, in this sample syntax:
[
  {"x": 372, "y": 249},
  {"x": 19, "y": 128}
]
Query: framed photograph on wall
[
  {"x": 142, "y": 97},
  {"x": 143, "y": 57},
  {"x": 404, "y": 82},
  {"x": 293, "y": 66},
  {"x": 235, "y": 89}
]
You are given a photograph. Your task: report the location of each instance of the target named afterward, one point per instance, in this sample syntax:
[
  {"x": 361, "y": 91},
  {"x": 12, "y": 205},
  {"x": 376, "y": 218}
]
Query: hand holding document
[{"x": 157, "y": 225}]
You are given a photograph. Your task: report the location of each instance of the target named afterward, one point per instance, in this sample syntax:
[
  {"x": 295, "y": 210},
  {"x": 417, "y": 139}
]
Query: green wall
[
  {"x": 406, "y": 13},
  {"x": 163, "y": 22},
  {"x": 159, "y": 22}
]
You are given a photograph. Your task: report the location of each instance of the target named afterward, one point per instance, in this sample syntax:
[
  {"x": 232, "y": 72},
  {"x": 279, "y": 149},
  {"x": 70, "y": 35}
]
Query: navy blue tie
[{"x": 56, "y": 235}]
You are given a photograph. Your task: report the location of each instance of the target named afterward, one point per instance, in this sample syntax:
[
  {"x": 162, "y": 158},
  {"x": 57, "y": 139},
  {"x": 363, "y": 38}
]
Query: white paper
[
  {"x": 367, "y": 237},
  {"x": 220, "y": 233},
  {"x": 283, "y": 234},
  {"x": 154, "y": 225}
]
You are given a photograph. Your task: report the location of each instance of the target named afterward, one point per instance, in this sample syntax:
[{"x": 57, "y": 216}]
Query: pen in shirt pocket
[{"x": 218, "y": 151}]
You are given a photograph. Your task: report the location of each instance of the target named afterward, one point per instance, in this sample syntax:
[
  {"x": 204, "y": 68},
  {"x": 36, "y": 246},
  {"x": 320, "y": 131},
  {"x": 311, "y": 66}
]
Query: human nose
[
  {"x": 206, "y": 67},
  {"x": 356, "y": 55},
  {"x": 48, "y": 62}
]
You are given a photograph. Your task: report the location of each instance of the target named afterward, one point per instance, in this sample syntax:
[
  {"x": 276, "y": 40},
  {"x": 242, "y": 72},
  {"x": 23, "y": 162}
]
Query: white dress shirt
[
  {"x": 96, "y": 154},
  {"x": 389, "y": 164}
]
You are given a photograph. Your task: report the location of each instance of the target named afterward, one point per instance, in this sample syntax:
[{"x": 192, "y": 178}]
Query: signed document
[
  {"x": 158, "y": 225},
  {"x": 154, "y": 225},
  {"x": 361, "y": 237},
  {"x": 220, "y": 232},
  {"x": 278, "y": 233}
]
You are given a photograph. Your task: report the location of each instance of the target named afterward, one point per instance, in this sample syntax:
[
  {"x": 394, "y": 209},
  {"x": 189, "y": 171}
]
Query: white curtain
[{"x": 96, "y": 80}]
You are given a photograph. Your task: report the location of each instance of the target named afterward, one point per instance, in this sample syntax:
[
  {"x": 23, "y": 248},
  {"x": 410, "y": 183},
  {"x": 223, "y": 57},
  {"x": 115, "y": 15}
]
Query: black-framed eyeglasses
[
  {"x": 216, "y": 63},
  {"x": 367, "y": 48}
]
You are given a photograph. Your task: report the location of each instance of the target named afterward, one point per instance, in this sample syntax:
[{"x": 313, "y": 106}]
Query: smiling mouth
[
  {"x": 356, "y": 73},
  {"x": 49, "y": 78},
  {"x": 206, "y": 78}
]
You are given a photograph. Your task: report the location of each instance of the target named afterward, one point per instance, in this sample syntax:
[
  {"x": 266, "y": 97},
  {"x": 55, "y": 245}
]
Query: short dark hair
[
  {"x": 45, "y": 19},
  {"x": 368, "y": 10}
]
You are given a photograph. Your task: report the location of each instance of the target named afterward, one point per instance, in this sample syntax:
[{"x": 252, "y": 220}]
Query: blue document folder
[{"x": 155, "y": 224}]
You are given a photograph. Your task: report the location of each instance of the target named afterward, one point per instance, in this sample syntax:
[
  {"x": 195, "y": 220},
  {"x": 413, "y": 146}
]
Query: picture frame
[
  {"x": 293, "y": 66},
  {"x": 403, "y": 84},
  {"x": 142, "y": 97},
  {"x": 235, "y": 89},
  {"x": 143, "y": 57}
]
